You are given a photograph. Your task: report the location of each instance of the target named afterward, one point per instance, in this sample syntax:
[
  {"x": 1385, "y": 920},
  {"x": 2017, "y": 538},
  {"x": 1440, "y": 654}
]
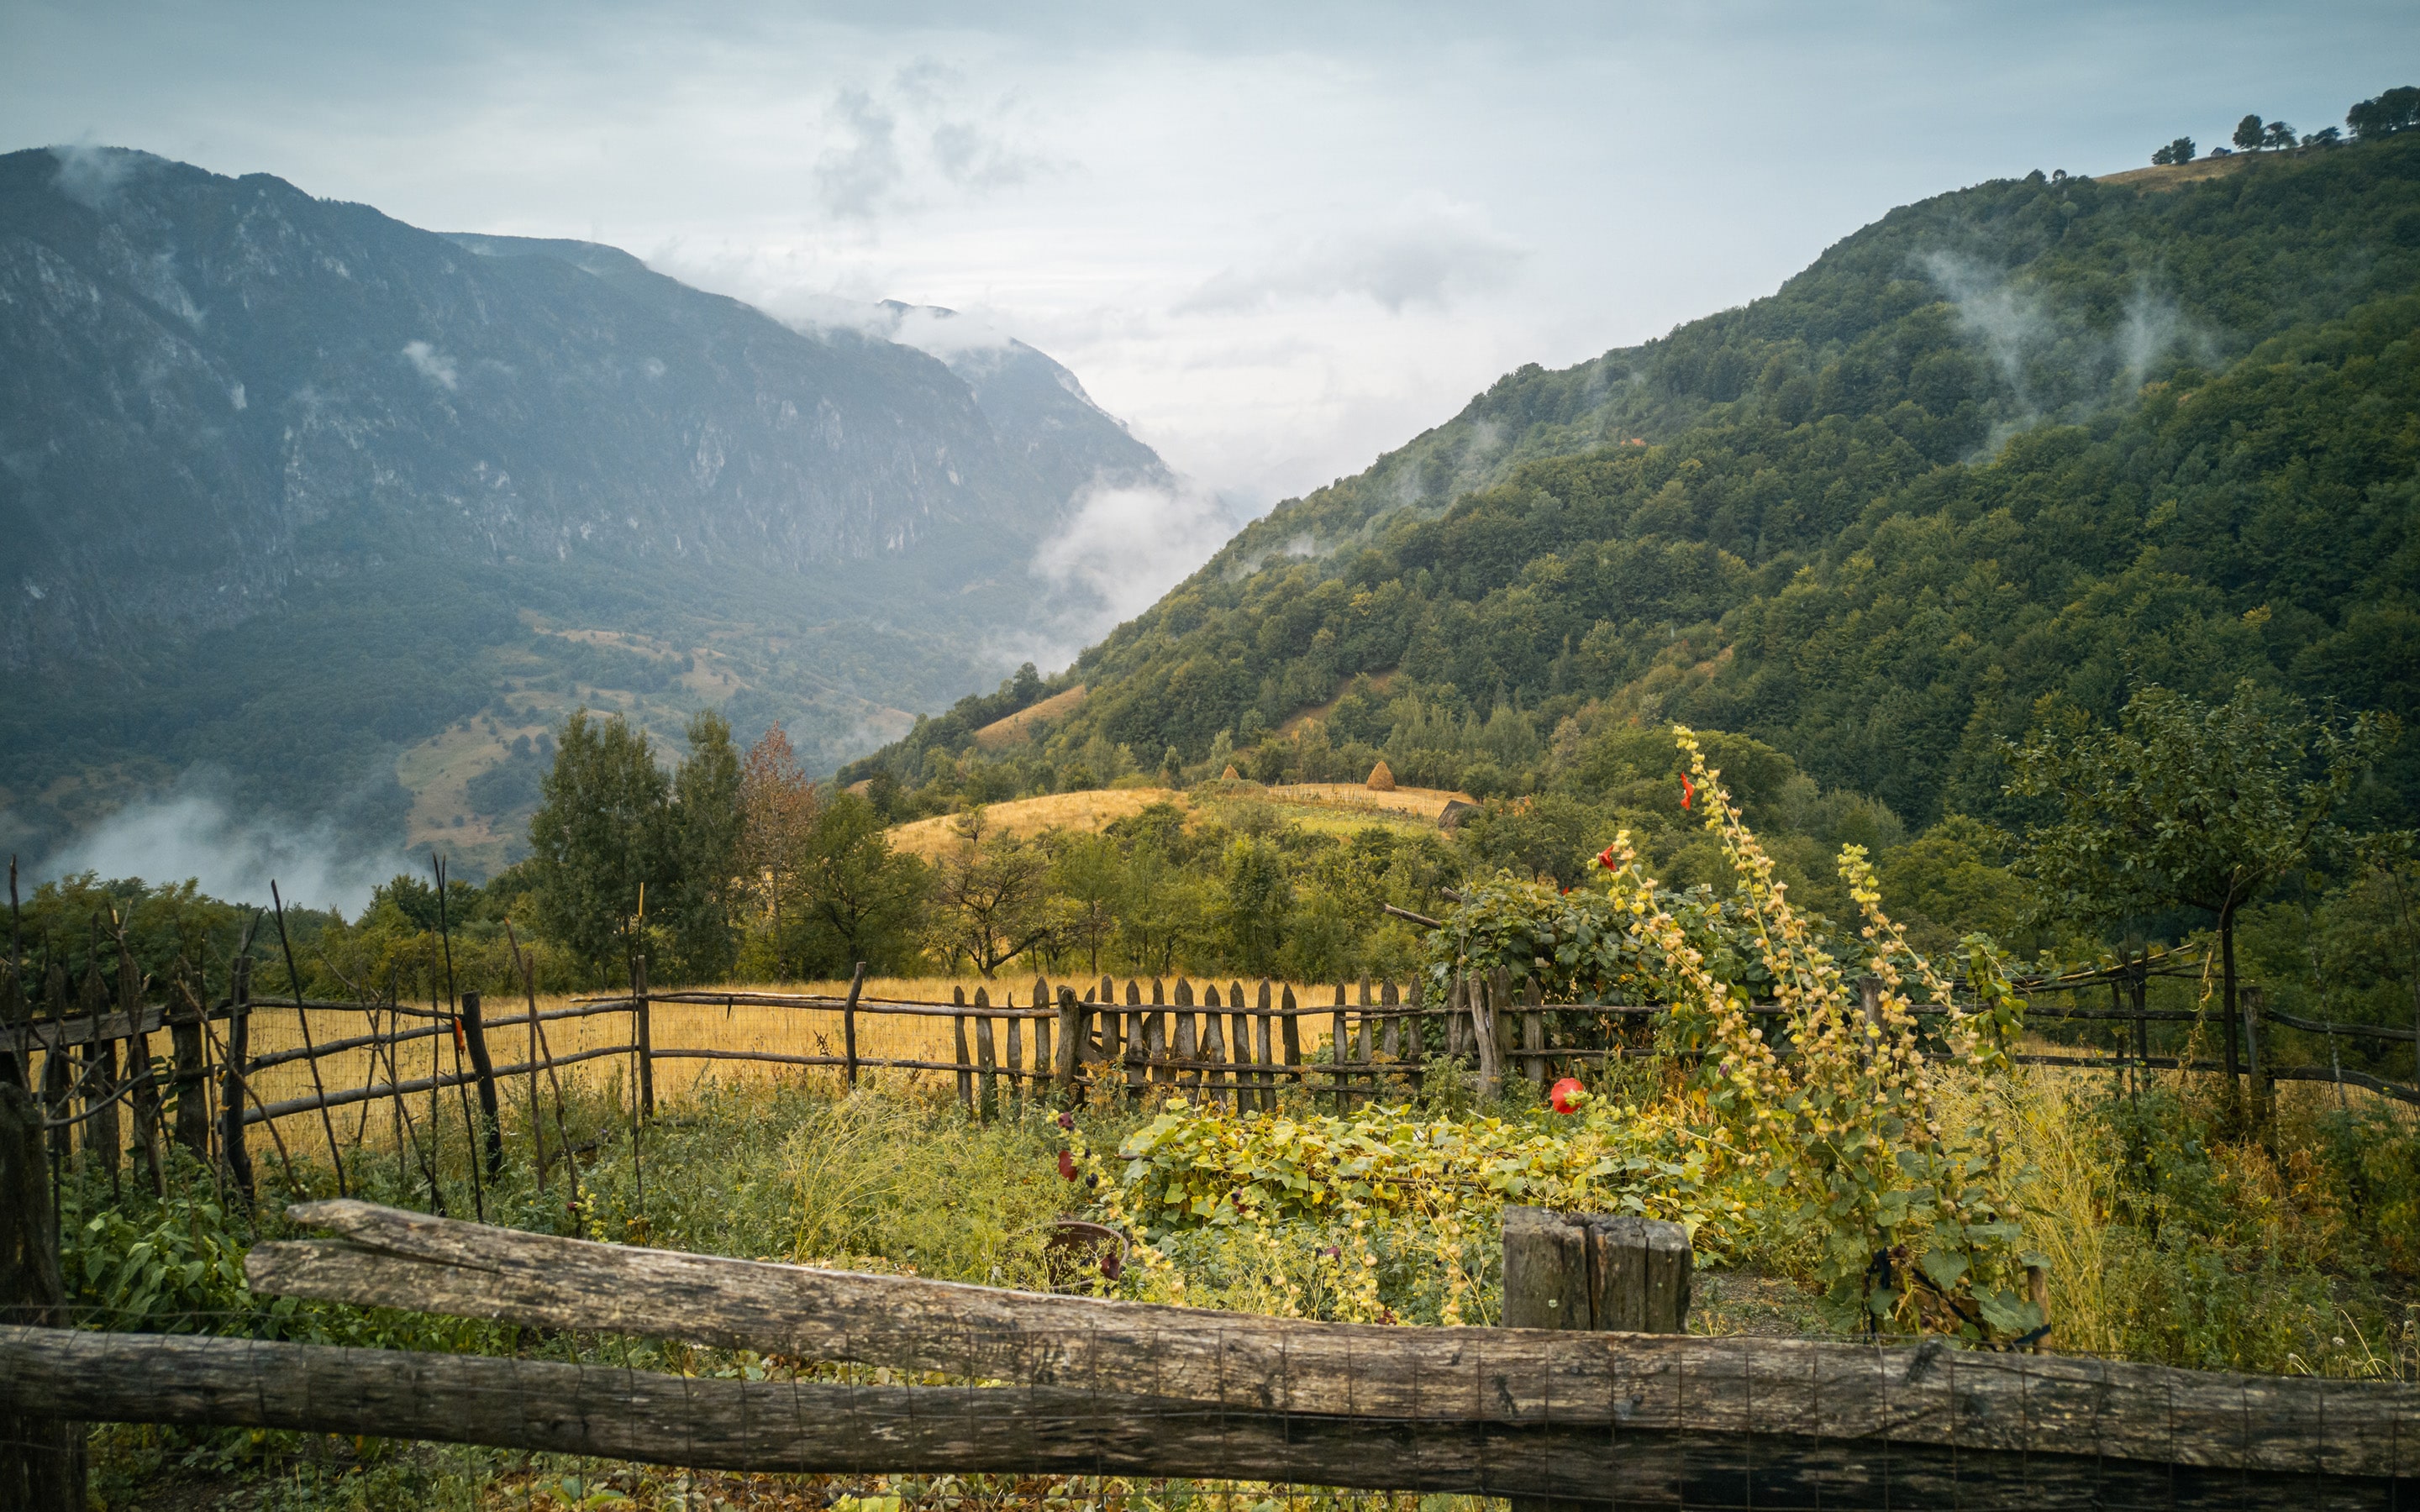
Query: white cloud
[
  {"x": 857, "y": 175},
  {"x": 91, "y": 174},
  {"x": 1122, "y": 548},
  {"x": 1277, "y": 239},
  {"x": 432, "y": 365},
  {"x": 194, "y": 833},
  {"x": 1428, "y": 252}
]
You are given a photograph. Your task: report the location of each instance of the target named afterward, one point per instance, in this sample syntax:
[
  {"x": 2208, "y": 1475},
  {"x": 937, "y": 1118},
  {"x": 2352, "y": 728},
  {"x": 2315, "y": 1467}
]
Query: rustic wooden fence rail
[
  {"x": 91, "y": 1056},
  {"x": 1065, "y": 1385}
]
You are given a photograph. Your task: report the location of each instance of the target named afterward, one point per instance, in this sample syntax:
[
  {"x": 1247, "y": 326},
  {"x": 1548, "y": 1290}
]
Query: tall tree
[
  {"x": 601, "y": 836},
  {"x": 778, "y": 809},
  {"x": 991, "y": 901},
  {"x": 1085, "y": 873},
  {"x": 1256, "y": 901},
  {"x": 2397, "y": 110},
  {"x": 2187, "y": 805},
  {"x": 858, "y": 898},
  {"x": 706, "y": 825},
  {"x": 2248, "y": 134}
]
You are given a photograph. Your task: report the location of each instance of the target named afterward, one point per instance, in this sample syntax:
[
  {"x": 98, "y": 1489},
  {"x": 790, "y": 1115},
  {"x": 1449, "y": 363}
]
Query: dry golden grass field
[
  {"x": 792, "y": 1031},
  {"x": 1339, "y": 807},
  {"x": 1091, "y": 810},
  {"x": 1025, "y": 721},
  {"x": 1419, "y": 803}
]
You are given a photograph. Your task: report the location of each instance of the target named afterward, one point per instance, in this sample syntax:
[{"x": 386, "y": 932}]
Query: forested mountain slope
[
  {"x": 2040, "y": 437},
  {"x": 290, "y": 487}
]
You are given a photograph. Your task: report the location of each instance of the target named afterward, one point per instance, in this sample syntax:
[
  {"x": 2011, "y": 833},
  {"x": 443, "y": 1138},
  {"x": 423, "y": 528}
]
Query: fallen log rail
[
  {"x": 809, "y": 1426},
  {"x": 1929, "y": 1398}
]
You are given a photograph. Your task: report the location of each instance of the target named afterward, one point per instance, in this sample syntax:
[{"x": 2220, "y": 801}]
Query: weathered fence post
[
  {"x": 101, "y": 1138},
  {"x": 987, "y": 1095},
  {"x": 1533, "y": 1034},
  {"x": 483, "y": 1066},
  {"x": 1486, "y": 1029},
  {"x": 1596, "y": 1272},
  {"x": 2264, "y": 1092},
  {"x": 150, "y": 1160},
  {"x": 16, "y": 1010},
  {"x": 239, "y": 1053},
  {"x": 1020, "y": 1080},
  {"x": 1071, "y": 1043},
  {"x": 643, "y": 1020},
  {"x": 848, "y": 1022},
  {"x": 1261, "y": 1050},
  {"x": 184, "y": 1016},
  {"x": 964, "y": 1062},
  {"x": 1339, "y": 1047},
  {"x": 1289, "y": 1030},
  {"x": 41, "y": 1458}
]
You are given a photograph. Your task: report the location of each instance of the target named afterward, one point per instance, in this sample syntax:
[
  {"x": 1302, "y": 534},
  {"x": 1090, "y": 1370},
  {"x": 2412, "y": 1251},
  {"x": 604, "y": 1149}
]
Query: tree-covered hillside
[{"x": 2038, "y": 439}]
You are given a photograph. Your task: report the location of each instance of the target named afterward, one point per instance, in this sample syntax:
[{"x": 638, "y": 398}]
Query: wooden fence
[
  {"x": 94, "y": 1054},
  {"x": 1036, "y": 1383}
]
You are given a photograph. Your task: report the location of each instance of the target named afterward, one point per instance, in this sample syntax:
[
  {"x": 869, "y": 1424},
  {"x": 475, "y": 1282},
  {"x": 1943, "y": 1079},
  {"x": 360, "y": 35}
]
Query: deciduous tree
[
  {"x": 991, "y": 903},
  {"x": 600, "y": 835},
  {"x": 2187, "y": 805}
]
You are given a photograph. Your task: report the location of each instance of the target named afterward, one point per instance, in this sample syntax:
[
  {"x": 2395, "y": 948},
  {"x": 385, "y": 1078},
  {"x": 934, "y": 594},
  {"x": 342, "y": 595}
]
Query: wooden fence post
[
  {"x": 102, "y": 1141},
  {"x": 1213, "y": 1046},
  {"x": 963, "y": 1061},
  {"x": 483, "y": 1066},
  {"x": 848, "y": 1022},
  {"x": 1289, "y": 1030},
  {"x": 239, "y": 1054},
  {"x": 1595, "y": 1273},
  {"x": 643, "y": 1020},
  {"x": 1185, "y": 1044},
  {"x": 41, "y": 1458},
  {"x": 987, "y": 1084},
  {"x": 2264, "y": 1091},
  {"x": 1261, "y": 1050},
  {"x": 1533, "y": 1034},
  {"x": 16, "y": 1010},
  {"x": 184, "y": 1016},
  {"x": 150, "y": 1160},
  {"x": 1486, "y": 1027},
  {"x": 1339, "y": 1047},
  {"x": 1070, "y": 1041}
]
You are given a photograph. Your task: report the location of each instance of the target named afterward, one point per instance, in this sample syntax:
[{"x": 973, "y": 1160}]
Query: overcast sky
[{"x": 1276, "y": 239}]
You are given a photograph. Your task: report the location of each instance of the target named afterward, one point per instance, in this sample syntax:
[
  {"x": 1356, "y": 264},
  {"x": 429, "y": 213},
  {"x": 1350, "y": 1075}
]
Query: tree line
[{"x": 2395, "y": 110}]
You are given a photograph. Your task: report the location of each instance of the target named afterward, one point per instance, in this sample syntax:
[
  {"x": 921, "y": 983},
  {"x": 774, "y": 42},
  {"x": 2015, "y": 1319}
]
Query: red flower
[
  {"x": 1605, "y": 859},
  {"x": 1688, "y": 789},
  {"x": 1067, "y": 1165},
  {"x": 1565, "y": 1094}
]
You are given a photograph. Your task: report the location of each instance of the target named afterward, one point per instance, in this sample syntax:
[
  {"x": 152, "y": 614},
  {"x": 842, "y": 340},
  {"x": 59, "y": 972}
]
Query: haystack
[{"x": 1381, "y": 779}]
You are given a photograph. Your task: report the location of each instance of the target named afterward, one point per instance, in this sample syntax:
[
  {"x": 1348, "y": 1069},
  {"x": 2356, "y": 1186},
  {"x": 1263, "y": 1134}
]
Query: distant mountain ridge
[
  {"x": 2038, "y": 439},
  {"x": 227, "y": 404}
]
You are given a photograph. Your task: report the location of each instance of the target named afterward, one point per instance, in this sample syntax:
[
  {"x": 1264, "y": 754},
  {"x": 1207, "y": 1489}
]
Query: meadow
[{"x": 2165, "y": 1236}]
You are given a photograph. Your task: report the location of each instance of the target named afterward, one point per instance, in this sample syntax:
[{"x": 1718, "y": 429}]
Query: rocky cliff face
[{"x": 211, "y": 387}]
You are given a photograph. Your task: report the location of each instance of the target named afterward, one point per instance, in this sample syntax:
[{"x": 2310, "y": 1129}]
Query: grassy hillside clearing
[
  {"x": 1422, "y": 803},
  {"x": 1027, "y": 722},
  {"x": 2177, "y": 175},
  {"x": 1090, "y": 812}
]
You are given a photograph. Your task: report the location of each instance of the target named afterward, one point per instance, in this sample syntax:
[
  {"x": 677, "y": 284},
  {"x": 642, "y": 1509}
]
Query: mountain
[
  {"x": 2037, "y": 440},
  {"x": 343, "y": 509}
]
